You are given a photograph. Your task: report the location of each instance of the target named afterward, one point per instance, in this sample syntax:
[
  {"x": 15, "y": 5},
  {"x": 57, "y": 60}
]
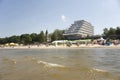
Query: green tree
[
  {"x": 1, "y": 41},
  {"x": 117, "y": 31},
  {"x": 41, "y": 37},
  {"x": 54, "y": 36},
  {"x": 57, "y": 35},
  {"x": 46, "y": 35},
  {"x": 111, "y": 32},
  {"x": 26, "y": 39},
  {"x": 5, "y": 40},
  {"x": 105, "y": 32},
  {"x": 108, "y": 32},
  {"x": 34, "y": 37},
  {"x": 14, "y": 39}
]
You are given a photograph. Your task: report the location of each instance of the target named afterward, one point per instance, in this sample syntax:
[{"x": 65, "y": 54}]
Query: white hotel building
[{"x": 79, "y": 30}]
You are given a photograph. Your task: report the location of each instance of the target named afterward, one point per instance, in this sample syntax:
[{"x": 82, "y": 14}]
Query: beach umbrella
[
  {"x": 12, "y": 44},
  {"x": 7, "y": 44}
]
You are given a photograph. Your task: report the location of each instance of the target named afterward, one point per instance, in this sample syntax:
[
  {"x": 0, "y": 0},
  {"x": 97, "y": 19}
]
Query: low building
[{"x": 79, "y": 29}]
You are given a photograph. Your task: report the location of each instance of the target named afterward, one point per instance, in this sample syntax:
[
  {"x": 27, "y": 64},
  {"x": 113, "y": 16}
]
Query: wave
[
  {"x": 99, "y": 70},
  {"x": 46, "y": 64}
]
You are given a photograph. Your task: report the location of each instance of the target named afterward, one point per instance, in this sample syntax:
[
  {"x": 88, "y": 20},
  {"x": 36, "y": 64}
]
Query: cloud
[{"x": 63, "y": 17}]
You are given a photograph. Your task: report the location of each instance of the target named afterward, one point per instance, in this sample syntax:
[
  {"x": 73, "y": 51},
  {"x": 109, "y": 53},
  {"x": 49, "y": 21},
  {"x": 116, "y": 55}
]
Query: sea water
[{"x": 60, "y": 64}]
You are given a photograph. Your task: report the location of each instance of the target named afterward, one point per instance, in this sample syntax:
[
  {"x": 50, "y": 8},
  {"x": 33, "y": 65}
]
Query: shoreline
[{"x": 65, "y": 47}]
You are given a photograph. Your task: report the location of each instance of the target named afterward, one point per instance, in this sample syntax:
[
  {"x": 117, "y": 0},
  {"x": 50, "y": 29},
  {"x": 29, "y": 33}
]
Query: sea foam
[
  {"x": 46, "y": 64},
  {"x": 99, "y": 70}
]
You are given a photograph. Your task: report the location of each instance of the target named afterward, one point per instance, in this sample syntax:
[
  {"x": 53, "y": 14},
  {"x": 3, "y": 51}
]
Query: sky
[{"x": 31, "y": 16}]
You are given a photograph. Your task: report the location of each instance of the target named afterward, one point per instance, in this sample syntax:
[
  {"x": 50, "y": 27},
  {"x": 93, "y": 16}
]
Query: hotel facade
[{"x": 79, "y": 29}]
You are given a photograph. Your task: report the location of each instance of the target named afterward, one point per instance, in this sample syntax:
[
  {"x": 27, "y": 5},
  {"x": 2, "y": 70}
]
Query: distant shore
[{"x": 61, "y": 47}]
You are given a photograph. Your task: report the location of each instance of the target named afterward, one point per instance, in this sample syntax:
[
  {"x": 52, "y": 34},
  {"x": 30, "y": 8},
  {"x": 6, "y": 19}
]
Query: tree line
[
  {"x": 112, "y": 33},
  {"x": 34, "y": 38},
  {"x": 45, "y": 37}
]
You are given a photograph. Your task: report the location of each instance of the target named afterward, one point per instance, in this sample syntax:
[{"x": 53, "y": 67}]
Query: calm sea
[{"x": 60, "y": 64}]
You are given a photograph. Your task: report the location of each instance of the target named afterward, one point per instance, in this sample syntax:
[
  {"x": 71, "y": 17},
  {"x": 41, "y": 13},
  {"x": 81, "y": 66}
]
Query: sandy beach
[{"x": 62, "y": 46}]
